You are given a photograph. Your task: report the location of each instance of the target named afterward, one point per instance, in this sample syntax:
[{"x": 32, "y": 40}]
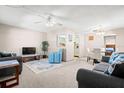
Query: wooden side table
[{"x": 9, "y": 79}]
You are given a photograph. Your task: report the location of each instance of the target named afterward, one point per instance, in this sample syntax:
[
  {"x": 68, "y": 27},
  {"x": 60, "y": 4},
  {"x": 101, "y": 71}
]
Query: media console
[{"x": 26, "y": 58}]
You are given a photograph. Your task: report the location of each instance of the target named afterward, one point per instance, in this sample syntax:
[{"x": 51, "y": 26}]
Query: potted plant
[{"x": 45, "y": 46}]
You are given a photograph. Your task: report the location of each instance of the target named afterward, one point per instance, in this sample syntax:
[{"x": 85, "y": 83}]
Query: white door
[{"x": 76, "y": 46}]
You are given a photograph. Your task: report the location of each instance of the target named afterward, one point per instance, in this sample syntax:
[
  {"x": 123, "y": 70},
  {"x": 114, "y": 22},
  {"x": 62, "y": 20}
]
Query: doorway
[
  {"x": 76, "y": 46},
  {"x": 110, "y": 44}
]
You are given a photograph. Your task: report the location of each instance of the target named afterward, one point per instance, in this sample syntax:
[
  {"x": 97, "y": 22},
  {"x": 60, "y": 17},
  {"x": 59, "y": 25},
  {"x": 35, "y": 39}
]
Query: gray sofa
[
  {"x": 97, "y": 78},
  {"x": 91, "y": 79},
  {"x": 9, "y": 71}
]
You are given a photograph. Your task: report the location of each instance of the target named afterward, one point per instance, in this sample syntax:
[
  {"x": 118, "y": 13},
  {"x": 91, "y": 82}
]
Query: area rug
[{"x": 41, "y": 66}]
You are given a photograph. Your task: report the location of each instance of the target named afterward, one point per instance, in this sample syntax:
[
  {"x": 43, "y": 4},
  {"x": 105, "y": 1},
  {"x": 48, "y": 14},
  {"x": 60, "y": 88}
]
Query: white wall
[
  {"x": 12, "y": 39},
  {"x": 98, "y": 41},
  {"x": 119, "y": 39}
]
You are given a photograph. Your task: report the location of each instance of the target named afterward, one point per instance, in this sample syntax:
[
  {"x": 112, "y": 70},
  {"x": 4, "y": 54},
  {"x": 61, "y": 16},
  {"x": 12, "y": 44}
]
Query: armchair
[
  {"x": 55, "y": 57},
  {"x": 51, "y": 57}
]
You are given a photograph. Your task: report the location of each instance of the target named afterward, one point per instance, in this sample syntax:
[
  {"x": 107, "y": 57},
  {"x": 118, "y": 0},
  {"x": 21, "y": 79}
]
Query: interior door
[
  {"x": 76, "y": 46},
  {"x": 76, "y": 49}
]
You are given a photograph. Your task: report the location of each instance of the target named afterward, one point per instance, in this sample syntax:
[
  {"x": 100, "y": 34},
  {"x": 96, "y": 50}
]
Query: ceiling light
[
  {"x": 49, "y": 18},
  {"x": 98, "y": 30}
]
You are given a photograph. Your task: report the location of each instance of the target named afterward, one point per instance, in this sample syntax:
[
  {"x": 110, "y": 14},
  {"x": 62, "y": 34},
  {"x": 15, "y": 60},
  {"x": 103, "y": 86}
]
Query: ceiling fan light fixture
[
  {"x": 49, "y": 24},
  {"x": 98, "y": 30},
  {"x": 51, "y": 21}
]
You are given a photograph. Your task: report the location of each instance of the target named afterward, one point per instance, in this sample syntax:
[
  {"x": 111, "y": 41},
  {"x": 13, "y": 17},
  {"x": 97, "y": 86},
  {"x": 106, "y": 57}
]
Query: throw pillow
[
  {"x": 119, "y": 70},
  {"x": 113, "y": 57},
  {"x": 110, "y": 69},
  {"x": 119, "y": 59},
  {"x": 0, "y": 54}
]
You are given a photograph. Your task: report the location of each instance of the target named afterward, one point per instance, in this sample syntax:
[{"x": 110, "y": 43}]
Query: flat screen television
[{"x": 28, "y": 50}]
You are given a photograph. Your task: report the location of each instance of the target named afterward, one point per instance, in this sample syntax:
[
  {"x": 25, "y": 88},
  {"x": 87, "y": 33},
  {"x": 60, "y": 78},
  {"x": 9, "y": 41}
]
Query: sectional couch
[{"x": 98, "y": 78}]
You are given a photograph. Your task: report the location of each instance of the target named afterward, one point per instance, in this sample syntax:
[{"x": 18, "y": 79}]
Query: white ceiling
[{"x": 79, "y": 17}]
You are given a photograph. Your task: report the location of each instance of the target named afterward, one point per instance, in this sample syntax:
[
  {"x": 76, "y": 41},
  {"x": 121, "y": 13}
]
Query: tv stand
[{"x": 27, "y": 58}]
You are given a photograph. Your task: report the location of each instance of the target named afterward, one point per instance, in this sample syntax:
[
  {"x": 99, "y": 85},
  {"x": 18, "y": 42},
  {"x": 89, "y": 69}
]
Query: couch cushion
[
  {"x": 101, "y": 67},
  {"x": 0, "y": 54},
  {"x": 110, "y": 69},
  {"x": 119, "y": 70},
  {"x": 6, "y": 55}
]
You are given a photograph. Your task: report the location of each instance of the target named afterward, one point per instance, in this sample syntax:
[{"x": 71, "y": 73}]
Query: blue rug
[{"x": 41, "y": 66}]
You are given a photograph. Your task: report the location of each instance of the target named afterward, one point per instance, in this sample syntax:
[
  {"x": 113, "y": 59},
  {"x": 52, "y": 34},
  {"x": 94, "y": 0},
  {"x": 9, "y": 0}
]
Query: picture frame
[{"x": 91, "y": 37}]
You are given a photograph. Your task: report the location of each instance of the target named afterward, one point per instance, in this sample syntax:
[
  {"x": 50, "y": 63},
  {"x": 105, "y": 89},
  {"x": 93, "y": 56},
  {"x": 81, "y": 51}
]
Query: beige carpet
[{"x": 63, "y": 77}]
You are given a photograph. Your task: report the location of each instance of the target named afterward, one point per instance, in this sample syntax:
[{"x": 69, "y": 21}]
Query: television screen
[{"x": 28, "y": 50}]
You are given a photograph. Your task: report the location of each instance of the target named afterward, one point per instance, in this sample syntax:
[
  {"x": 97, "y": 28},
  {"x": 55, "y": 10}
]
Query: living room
[{"x": 52, "y": 47}]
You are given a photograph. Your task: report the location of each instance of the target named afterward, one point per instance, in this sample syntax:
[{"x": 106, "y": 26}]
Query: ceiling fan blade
[{"x": 56, "y": 16}]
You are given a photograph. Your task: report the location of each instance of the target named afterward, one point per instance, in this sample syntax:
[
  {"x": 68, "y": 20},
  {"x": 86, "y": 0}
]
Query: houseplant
[{"x": 45, "y": 46}]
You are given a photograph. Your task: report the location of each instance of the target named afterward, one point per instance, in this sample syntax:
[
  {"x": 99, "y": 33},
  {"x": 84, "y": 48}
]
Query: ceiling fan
[{"x": 50, "y": 20}]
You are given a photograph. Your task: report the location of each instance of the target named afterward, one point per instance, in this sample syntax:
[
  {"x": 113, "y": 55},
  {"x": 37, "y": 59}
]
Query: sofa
[
  {"x": 97, "y": 78},
  {"x": 91, "y": 79},
  {"x": 9, "y": 71}
]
